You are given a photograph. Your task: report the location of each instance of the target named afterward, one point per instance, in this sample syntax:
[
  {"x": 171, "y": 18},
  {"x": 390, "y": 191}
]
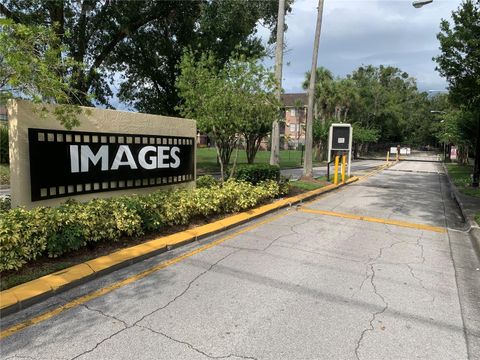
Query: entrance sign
[
  {"x": 66, "y": 163},
  {"x": 111, "y": 153},
  {"x": 340, "y": 141}
]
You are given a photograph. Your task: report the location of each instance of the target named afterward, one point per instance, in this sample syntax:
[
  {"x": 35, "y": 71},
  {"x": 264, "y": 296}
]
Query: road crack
[
  {"x": 105, "y": 314},
  {"x": 412, "y": 272},
  {"x": 292, "y": 230},
  {"x": 374, "y": 315},
  {"x": 370, "y": 274},
  {"x": 126, "y": 327},
  {"x": 195, "y": 348}
]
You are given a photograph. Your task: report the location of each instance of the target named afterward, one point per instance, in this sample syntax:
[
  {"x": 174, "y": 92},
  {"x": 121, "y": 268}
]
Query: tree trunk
[
  {"x": 275, "y": 147},
  {"x": 318, "y": 151},
  {"x": 476, "y": 164},
  {"x": 252, "y": 144},
  {"x": 232, "y": 172},
  {"x": 355, "y": 151},
  {"x": 219, "y": 158},
  {"x": 307, "y": 164}
]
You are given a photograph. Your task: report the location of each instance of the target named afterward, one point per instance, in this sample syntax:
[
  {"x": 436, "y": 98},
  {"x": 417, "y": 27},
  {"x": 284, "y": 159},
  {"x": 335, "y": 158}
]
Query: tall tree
[
  {"x": 324, "y": 92},
  {"x": 308, "y": 157},
  {"x": 275, "y": 136},
  {"x": 382, "y": 103},
  {"x": 459, "y": 63},
  {"x": 143, "y": 41}
]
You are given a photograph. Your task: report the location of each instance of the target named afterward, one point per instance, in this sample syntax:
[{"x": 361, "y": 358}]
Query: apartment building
[{"x": 295, "y": 110}]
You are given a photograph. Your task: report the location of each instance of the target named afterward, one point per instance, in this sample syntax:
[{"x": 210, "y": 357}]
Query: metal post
[
  {"x": 344, "y": 160},
  {"x": 335, "y": 171},
  {"x": 349, "y": 161},
  {"x": 388, "y": 156}
]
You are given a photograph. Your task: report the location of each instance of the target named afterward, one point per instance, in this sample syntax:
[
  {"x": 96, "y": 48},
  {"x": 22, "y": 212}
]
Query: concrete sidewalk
[{"x": 378, "y": 270}]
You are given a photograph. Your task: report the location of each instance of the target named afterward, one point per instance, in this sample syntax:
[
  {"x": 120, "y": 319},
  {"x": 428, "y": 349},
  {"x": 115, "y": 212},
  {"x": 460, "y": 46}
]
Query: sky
[{"x": 356, "y": 32}]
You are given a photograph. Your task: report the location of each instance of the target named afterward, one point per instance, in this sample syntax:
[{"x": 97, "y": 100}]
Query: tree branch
[
  {"x": 8, "y": 14},
  {"x": 121, "y": 34}
]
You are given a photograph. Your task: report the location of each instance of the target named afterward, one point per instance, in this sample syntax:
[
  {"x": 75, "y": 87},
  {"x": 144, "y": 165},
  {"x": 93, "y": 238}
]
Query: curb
[
  {"x": 32, "y": 292},
  {"x": 473, "y": 229}
]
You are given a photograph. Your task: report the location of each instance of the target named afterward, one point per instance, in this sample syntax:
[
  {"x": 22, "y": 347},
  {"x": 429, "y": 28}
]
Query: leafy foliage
[
  {"x": 143, "y": 41},
  {"x": 236, "y": 99},
  {"x": 28, "y": 234},
  {"x": 382, "y": 103},
  {"x": 32, "y": 65},
  {"x": 460, "y": 46}
]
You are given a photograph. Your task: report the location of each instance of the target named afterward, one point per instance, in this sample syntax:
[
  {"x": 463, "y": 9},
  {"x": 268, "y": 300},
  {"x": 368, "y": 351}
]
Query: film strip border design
[
  {"x": 112, "y": 185},
  {"x": 85, "y": 138}
]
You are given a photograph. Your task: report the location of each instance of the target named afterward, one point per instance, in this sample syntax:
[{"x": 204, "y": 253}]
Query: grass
[
  {"x": 461, "y": 177},
  {"x": 477, "y": 218},
  {"x": 4, "y": 174},
  {"x": 310, "y": 185},
  {"x": 207, "y": 159}
]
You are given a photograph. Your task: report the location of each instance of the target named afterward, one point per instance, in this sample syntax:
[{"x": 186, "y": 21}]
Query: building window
[
  {"x": 293, "y": 127},
  {"x": 292, "y": 112}
]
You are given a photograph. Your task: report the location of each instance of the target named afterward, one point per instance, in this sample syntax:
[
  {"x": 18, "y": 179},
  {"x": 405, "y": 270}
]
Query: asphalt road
[{"x": 319, "y": 281}]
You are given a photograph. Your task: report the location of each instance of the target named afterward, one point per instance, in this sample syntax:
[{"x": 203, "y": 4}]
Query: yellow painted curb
[
  {"x": 8, "y": 299},
  {"x": 48, "y": 284},
  {"x": 64, "y": 277}
]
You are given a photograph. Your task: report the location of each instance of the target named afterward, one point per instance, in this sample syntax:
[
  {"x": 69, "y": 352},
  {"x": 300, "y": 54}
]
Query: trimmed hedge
[
  {"x": 206, "y": 181},
  {"x": 256, "y": 173},
  {"x": 28, "y": 234}
]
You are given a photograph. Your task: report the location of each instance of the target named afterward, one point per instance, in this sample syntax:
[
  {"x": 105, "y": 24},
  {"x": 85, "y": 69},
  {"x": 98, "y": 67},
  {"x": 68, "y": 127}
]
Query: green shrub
[
  {"x": 4, "y": 159},
  {"x": 74, "y": 225},
  {"x": 27, "y": 234},
  {"x": 206, "y": 181},
  {"x": 256, "y": 173},
  {"x": 23, "y": 236}
]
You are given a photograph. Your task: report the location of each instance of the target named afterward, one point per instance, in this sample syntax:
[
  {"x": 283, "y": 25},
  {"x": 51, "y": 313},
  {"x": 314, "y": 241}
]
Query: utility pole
[
  {"x": 307, "y": 164},
  {"x": 275, "y": 147}
]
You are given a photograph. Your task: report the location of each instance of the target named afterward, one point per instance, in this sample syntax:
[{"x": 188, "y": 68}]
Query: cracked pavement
[{"x": 302, "y": 286}]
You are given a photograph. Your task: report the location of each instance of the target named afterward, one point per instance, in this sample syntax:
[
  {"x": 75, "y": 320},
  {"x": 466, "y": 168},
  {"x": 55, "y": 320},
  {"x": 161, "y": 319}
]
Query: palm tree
[
  {"x": 307, "y": 165},
  {"x": 324, "y": 92},
  {"x": 275, "y": 150}
]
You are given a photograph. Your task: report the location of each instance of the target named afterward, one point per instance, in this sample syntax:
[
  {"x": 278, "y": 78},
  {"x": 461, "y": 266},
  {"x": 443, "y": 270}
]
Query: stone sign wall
[{"x": 110, "y": 153}]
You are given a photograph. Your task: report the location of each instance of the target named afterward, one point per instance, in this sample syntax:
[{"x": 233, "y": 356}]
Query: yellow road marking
[
  {"x": 376, "y": 220},
  {"x": 107, "y": 289}
]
